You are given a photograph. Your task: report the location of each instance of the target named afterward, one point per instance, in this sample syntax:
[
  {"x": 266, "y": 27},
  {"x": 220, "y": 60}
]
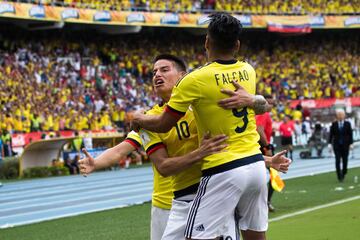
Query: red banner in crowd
[
  {"x": 22, "y": 139},
  {"x": 283, "y": 28},
  {"x": 326, "y": 103}
]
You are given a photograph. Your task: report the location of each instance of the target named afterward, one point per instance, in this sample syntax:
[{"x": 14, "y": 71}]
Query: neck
[
  {"x": 166, "y": 97},
  {"x": 215, "y": 56}
]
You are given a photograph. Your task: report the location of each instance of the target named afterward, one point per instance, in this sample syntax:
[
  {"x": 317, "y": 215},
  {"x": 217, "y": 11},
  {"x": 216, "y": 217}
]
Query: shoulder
[
  {"x": 192, "y": 76},
  {"x": 246, "y": 65},
  {"x": 157, "y": 109}
]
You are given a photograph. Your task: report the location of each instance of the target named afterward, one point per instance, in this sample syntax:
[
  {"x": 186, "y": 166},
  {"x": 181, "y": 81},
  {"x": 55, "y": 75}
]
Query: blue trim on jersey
[{"x": 233, "y": 164}]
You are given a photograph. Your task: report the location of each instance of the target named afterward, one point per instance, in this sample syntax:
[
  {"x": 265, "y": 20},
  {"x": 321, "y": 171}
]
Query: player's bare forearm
[
  {"x": 261, "y": 132},
  {"x": 241, "y": 98},
  {"x": 113, "y": 155},
  {"x": 260, "y": 105},
  {"x": 156, "y": 123},
  {"x": 168, "y": 166},
  {"x": 171, "y": 166}
]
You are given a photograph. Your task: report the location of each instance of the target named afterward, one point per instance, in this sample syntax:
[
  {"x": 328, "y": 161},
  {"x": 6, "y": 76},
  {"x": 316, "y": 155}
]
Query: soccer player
[
  {"x": 162, "y": 194},
  {"x": 181, "y": 144},
  {"x": 235, "y": 179}
]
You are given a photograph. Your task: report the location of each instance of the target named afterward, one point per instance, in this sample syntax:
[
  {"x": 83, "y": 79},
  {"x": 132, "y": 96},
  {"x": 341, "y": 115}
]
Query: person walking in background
[
  {"x": 341, "y": 139},
  {"x": 7, "y": 143},
  {"x": 286, "y": 131},
  {"x": 306, "y": 128}
]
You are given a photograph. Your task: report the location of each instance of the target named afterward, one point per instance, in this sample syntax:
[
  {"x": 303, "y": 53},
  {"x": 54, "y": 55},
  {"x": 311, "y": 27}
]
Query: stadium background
[{"x": 86, "y": 65}]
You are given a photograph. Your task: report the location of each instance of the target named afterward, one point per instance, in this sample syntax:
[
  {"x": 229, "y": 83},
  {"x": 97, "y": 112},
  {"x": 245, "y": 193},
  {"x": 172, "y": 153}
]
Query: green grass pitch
[{"x": 132, "y": 223}]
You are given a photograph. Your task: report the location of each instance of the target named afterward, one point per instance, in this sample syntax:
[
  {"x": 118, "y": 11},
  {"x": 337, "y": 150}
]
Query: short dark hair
[
  {"x": 224, "y": 30},
  {"x": 179, "y": 63}
]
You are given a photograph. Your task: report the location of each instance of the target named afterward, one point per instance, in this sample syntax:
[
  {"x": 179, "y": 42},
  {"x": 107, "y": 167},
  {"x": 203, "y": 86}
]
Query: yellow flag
[{"x": 276, "y": 182}]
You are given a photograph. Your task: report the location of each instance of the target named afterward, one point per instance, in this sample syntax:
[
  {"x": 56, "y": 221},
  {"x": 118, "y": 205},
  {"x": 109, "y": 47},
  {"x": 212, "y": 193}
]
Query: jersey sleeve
[
  {"x": 134, "y": 139},
  {"x": 185, "y": 93},
  {"x": 151, "y": 141}
]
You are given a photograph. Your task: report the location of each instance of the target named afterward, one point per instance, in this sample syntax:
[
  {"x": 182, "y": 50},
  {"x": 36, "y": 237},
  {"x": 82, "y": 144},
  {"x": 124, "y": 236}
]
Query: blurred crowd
[
  {"x": 242, "y": 6},
  {"x": 61, "y": 81}
]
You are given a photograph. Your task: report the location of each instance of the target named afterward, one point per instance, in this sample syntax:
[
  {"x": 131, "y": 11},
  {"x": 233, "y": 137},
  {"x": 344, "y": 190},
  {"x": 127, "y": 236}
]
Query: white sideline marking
[{"x": 314, "y": 208}]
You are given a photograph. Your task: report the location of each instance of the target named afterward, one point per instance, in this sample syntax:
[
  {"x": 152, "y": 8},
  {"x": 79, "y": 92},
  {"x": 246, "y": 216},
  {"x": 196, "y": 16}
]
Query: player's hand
[
  {"x": 280, "y": 162},
  {"x": 210, "y": 145},
  {"x": 351, "y": 147},
  {"x": 87, "y": 164},
  {"x": 238, "y": 99}
]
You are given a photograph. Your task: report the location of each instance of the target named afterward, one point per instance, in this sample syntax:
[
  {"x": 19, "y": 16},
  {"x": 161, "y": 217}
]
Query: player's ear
[
  {"x": 237, "y": 46},
  {"x": 207, "y": 43}
]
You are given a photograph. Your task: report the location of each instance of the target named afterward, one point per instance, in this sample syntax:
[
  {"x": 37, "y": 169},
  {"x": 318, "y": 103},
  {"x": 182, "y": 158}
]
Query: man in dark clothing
[{"x": 341, "y": 139}]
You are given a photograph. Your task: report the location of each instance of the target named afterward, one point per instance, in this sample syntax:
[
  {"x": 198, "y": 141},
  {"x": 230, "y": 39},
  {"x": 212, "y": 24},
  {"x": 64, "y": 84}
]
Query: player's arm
[
  {"x": 261, "y": 132},
  {"x": 185, "y": 93},
  {"x": 108, "y": 158},
  {"x": 264, "y": 144},
  {"x": 241, "y": 98},
  {"x": 156, "y": 123},
  {"x": 278, "y": 162},
  {"x": 168, "y": 166}
]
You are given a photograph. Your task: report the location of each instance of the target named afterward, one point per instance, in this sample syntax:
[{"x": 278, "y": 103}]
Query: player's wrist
[
  {"x": 196, "y": 155},
  {"x": 268, "y": 161}
]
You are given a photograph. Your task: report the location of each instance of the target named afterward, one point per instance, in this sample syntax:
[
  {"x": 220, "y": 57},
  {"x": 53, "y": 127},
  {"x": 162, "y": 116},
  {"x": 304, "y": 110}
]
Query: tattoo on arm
[{"x": 260, "y": 105}]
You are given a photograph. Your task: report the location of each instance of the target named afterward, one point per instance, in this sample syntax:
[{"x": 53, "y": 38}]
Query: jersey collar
[{"x": 232, "y": 61}]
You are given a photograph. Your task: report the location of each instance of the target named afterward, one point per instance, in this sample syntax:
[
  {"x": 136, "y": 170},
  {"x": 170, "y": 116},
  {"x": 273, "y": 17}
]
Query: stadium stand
[
  {"x": 75, "y": 82},
  {"x": 242, "y": 6}
]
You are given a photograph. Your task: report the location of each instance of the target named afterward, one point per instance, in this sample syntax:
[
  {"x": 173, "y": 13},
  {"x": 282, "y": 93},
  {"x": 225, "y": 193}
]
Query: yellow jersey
[
  {"x": 180, "y": 140},
  {"x": 297, "y": 115},
  {"x": 201, "y": 89},
  {"x": 162, "y": 193}
]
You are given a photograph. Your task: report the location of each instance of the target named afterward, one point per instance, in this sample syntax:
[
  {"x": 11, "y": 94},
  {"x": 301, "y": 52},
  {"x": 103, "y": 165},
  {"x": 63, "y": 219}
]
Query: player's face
[{"x": 165, "y": 76}]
